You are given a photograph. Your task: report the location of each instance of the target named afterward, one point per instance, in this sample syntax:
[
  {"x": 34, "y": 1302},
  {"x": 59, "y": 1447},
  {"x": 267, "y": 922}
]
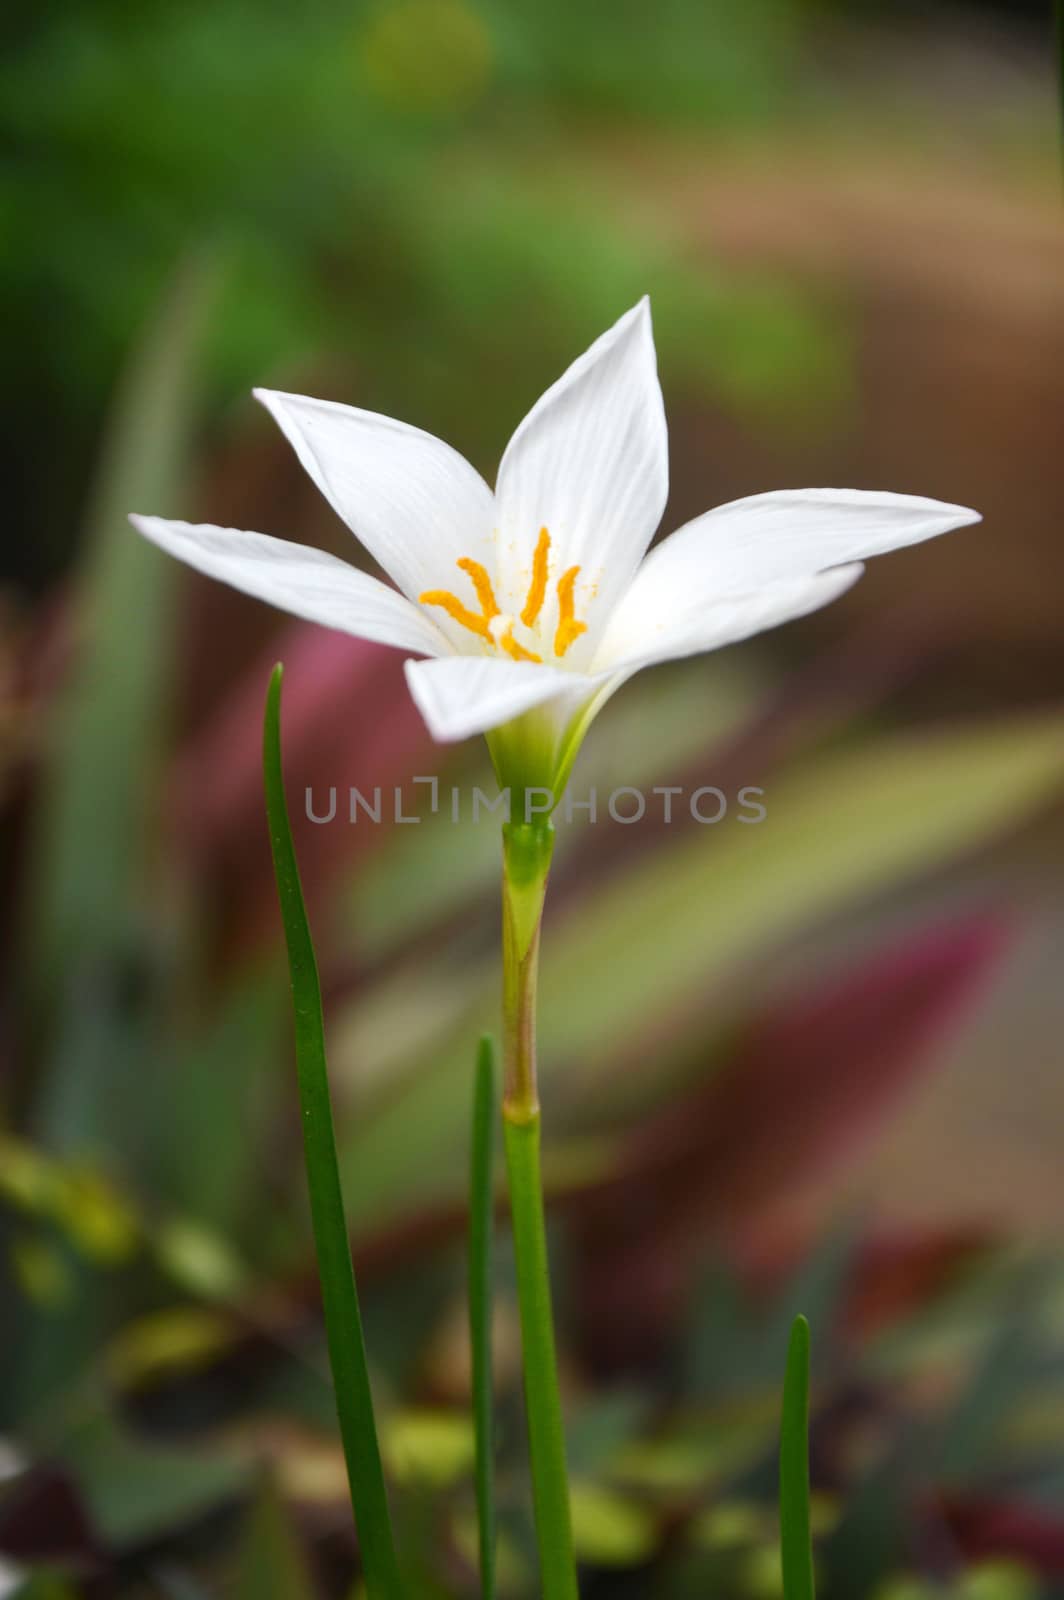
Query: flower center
[{"x": 496, "y": 626}]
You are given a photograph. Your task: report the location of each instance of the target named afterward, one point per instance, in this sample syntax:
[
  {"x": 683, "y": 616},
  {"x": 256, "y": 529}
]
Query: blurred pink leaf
[
  {"x": 805, "y": 1089},
  {"x": 898, "y": 1271},
  {"x": 986, "y": 1528},
  {"x": 349, "y": 722}
]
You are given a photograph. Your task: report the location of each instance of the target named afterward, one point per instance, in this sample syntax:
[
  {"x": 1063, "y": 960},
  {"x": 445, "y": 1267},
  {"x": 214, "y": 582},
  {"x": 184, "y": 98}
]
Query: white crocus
[{"x": 533, "y": 604}]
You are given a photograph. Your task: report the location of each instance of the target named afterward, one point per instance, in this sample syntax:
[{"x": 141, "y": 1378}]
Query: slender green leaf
[
  {"x": 343, "y": 1322},
  {"x": 795, "y": 1537},
  {"x": 546, "y": 1430},
  {"x": 104, "y": 740},
  {"x": 96, "y": 926},
  {"x": 480, "y": 1304}
]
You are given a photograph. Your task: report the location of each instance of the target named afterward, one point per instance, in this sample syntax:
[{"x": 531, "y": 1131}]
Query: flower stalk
[
  {"x": 527, "y": 849},
  {"x": 526, "y": 860}
]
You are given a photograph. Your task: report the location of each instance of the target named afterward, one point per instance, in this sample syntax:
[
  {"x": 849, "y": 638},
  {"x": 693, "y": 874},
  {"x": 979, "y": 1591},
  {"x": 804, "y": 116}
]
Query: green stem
[
  {"x": 343, "y": 1322},
  {"x": 481, "y": 1209},
  {"x": 527, "y": 851}
]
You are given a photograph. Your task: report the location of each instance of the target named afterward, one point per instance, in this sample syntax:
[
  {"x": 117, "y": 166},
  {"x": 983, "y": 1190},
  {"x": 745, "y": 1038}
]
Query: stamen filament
[{"x": 537, "y": 589}]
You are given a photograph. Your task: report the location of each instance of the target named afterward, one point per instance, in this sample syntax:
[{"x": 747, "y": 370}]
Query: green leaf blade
[
  {"x": 796, "y": 1545},
  {"x": 543, "y": 1409},
  {"x": 343, "y": 1322}
]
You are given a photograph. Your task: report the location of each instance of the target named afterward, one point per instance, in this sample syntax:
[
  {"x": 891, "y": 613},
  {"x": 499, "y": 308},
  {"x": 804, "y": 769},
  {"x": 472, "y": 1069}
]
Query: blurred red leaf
[
  {"x": 986, "y": 1528},
  {"x": 348, "y": 722},
  {"x": 805, "y": 1089},
  {"x": 898, "y": 1271}
]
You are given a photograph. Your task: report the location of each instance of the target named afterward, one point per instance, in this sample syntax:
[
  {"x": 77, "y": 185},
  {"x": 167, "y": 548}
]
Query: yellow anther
[
  {"x": 497, "y": 628},
  {"x": 569, "y": 629},
  {"x": 454, "y": 608},
  {"x": 537, "y": 589},
  {"x": 462, "y": 614},
  {"x": 502, "y": 631},
  {"x": 482, "y": 584}
]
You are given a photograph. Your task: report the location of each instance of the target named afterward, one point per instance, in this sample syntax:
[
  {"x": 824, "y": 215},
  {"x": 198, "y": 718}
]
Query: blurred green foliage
[
  {"x": 390, "y": 185},
  {"x": 161, "y": 1346},
  {"x": 428, "y": 205}
]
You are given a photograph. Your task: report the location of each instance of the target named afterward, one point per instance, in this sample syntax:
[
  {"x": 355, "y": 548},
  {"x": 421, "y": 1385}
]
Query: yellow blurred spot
[
  {"x": 426, "y": 55},
  {"x": 907, "y": 1587},
  {"x": 434, "y": 1447},
  {"x": 733, "y": 1524},
  {"x": 97, "y": 1218},
  {"x": 763, "y": 1573},
  {"x": 199, "y": 1260},
  {"x": 999, "y": 1580},
  {"x": 88, "y": 1207},
  {"x": 27, "y": 1178},
  {"x": 609, "y": 1529},
  {"x": 176, "y": 1340},
  {"x": 825, "y": 1513},
  {"x": 663, "y": 1465},
  {"x": 41, "y": 1273}
]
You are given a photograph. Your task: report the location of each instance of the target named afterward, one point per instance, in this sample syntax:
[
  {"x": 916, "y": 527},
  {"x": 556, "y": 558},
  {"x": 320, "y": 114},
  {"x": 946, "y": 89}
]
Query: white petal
[
  {"x": 736, "y": 548},
  {"x": 694, "y": 622},
  {"x": 589, "y": 463},
  {"x": 463, "y": 695},
  {"x": 416, "y": 504},
  {"x": 299, "y": 579}
]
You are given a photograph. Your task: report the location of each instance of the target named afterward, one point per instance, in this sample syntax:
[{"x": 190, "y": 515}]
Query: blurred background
[{"x": 813, "y": 1064}]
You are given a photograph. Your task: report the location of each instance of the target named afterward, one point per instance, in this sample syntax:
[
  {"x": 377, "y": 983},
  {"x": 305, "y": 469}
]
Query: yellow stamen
[
  {"x": 537, "y": 589},
  {"x": 498, "y": 629},
  {"x": 454, "y": 608},
  {"x": 569, "y": 629},
  {"x": 462, "y": 614},
  {"x": 482, "y": 584},
  {"x": 504, "y": 638}
]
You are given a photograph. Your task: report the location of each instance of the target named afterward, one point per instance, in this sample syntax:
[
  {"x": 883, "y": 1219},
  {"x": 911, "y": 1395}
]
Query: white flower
[{"x": 533, "y": 604}]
